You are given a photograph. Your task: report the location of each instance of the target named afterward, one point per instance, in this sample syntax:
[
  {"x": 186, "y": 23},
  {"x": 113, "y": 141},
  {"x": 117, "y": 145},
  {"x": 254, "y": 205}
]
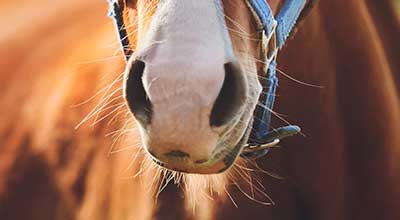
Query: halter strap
[
  {"x": 264, "y": 13},
  {"x": 287, "y": 19},
  {"x": 274, "y": 34},
  {"x": 116, "y": 12}
]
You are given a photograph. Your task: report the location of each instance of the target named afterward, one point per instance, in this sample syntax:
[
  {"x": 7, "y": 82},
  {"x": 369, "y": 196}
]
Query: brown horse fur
[{"x": 56, "y": 55}]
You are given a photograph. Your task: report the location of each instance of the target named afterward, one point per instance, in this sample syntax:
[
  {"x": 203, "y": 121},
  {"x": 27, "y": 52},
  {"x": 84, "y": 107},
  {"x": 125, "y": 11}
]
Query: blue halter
[{"x": 274, "y": 32}]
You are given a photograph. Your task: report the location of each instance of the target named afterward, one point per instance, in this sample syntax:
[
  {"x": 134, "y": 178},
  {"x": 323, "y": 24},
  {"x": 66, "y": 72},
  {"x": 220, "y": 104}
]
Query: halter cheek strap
[
  {"x": 116, "y": 12},
  {"x": 275, "y": 31}
]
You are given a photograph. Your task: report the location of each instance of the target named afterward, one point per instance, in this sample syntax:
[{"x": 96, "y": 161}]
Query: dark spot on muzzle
[{"x": 177, "y": 154}]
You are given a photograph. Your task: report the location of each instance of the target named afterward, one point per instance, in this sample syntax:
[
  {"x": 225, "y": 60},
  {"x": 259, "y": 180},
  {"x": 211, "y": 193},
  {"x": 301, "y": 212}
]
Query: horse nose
[{"x": 183, "y": 120}]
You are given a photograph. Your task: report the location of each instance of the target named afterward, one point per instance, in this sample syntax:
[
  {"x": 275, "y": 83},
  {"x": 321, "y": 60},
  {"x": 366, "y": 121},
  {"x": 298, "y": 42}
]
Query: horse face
[{"x": 192, "y": 83}]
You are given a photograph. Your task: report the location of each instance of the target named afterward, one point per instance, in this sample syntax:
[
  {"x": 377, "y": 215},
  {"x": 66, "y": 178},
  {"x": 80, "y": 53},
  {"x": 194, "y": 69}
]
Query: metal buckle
[
  {"x": 271, "y": 140},
  {"x": 248, "y": 148}
]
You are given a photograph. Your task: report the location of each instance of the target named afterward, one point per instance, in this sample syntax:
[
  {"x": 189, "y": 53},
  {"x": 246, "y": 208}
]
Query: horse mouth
[
  {"x": 223, "y": 157},
  {"x": 219, "y": 163}
]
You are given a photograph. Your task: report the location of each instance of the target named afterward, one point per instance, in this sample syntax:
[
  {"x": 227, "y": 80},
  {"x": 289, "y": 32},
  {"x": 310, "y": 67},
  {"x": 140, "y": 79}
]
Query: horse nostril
[
  {"x": 231, "y": 97},
  {"x": 135, "y": 93}
]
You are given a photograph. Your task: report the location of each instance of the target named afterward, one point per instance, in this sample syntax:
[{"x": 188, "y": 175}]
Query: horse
[{"x": 344, "y": 166}]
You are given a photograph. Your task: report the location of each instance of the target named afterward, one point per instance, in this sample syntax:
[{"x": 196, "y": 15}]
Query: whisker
[
  {"x": 231, "y": 198},
  {"x": 298, "y": 81},
  {"x": 274, "y": 113},
  {"x": 255, "y": 200},
  {"x": 91, "y": 98},
  {"x": 94, "y": 61},
  {"x": 104, "y": 99}
]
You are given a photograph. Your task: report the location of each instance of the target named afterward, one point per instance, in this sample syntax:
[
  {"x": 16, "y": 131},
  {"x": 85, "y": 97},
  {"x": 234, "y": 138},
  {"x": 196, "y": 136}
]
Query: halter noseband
[{"x": 274, "y": 32}]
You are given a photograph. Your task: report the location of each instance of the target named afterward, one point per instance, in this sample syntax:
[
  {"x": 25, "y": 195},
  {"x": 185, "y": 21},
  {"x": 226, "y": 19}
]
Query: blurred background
[{"x": 59, "y": 60}]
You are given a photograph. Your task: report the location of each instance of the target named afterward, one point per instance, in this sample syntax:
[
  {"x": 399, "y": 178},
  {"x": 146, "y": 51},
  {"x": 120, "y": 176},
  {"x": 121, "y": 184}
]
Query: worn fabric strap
[
  {"x": 265, "y": 15},
  {"x": 116, "y": 12},
  {"x": 281, "y": 27},
  {"x": 270, "y": 86},
  {"x": 263, "y": 138},
  {"x": 287, "y": 19}
]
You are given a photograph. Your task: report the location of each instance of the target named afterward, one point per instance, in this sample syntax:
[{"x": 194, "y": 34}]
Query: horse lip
[
  {"x": 214, "y": 165},
  {"x": 219, "y": 161}
]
